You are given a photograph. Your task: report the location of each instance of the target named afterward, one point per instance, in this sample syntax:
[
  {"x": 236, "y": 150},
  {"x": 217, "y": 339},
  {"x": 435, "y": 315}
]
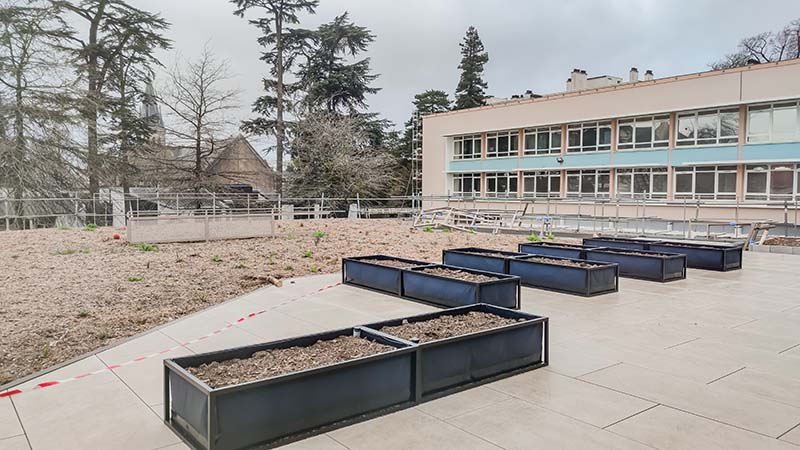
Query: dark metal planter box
[
  {"x": 274, "y": 409},
  {"x": 471, "y": 258},
  {"x": 587, "y": 281},
  {"x": 574, "y": 251},
  {"x": 375, "y": 276},
  {"x": 613, "y": 242},
  {"x": 646, "y": 265},
  {"x": 720, "y": 257},
  {"x": 460, "y": 362},
  {"x": 451, "y": 292}
]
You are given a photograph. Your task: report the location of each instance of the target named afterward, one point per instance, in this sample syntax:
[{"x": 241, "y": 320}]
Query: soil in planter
[
  {"x": 390, "y": 263},
  {"x": 448, "y": 326},
  {"x": 635, "y": 253},
  {"x": 783, "y": 241},
  {"x": 489, "y": 253},
  {"x": 560, "y": 262},
  {"x": 458, "y": 274},
  {"x": 275, "y": 362}
]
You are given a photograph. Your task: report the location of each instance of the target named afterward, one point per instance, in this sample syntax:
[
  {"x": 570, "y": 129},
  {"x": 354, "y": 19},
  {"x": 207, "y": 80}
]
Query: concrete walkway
[{"x": 711, "y": 362}]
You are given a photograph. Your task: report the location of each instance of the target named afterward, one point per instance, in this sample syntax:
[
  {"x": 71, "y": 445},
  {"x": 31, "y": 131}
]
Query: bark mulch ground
[
  {"x": 560, "y": 262},
  {"x": 448, "y": 326},
  {"x": 458, "y": 274},
  {"x": 275, "y": 362},
  {"x": 68, "y": 292},
  {"x": 784, "y": 241}
]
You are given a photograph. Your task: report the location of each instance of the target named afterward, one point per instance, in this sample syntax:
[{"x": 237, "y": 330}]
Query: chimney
[
  {"x": 648, "y": 75},
  {"x": 569, "y": 84},
  {"x": 634, "y": 75}
]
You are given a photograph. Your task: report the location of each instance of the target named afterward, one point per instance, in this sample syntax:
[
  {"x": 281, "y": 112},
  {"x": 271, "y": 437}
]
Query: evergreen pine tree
[{"x": 471, "y": 90}]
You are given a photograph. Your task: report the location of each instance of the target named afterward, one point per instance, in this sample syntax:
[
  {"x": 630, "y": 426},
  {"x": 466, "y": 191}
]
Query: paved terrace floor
[{"x": 711, "y": 362}]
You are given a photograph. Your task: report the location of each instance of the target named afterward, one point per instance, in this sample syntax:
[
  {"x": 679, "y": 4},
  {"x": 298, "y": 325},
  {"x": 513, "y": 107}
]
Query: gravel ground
[
  {"x": 271, "y": 363},
  {"x": 447, "y": 326},
  {"x": 785, "y": 241},
  {"x": 65, "y": 293}
]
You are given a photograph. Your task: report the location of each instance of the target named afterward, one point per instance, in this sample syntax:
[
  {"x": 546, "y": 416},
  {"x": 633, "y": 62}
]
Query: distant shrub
[
  {"x": 135, "y": 278},
  {"x": 318, "y": 235},
  {"x": 90, "y": 227},
  {"x": 146, "y": 247}
]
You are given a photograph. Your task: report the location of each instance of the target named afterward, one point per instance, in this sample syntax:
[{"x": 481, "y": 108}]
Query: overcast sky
[{"x": 531, "y": 44}]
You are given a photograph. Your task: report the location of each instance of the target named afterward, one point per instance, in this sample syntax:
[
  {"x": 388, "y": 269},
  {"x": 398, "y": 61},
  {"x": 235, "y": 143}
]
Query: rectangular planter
[
  {"x": 614, "y": 242},
  {"x": 375, "y": 276},
  {"x": 450, "y": 292},
  {"x": 722, "y": 256},
  {"x": 587, "y": 281},
  {"x": 573, "y": 251},
  {"x": 472, "y": 258},
  {"x": 456, "y": 363},
  {"x": 266, "y": 411},
  {"x": 645, "y": 265}
]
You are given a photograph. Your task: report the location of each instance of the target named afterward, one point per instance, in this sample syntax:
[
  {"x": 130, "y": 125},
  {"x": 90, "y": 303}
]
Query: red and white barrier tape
[{"x": 112, "y": 367}]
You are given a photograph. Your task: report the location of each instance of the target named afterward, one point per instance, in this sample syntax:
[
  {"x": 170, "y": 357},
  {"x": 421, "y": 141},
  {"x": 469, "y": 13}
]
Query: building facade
[{"x": 730, "y": 135}]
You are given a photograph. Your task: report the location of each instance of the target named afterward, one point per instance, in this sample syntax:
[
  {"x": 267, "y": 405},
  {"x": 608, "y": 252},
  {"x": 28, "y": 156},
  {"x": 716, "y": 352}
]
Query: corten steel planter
[
  {"x": 644, "y": 264},
  {"x": 573, "y": 251},
  {"x": 451, "y": 292},
  {"x": 615, "y": 242},
  {"x": 716, "y": 256},
  {"x": 375, "y": 276},
  {"x": 282, "y": 408},
  {"x": 603, "y": 278},
  {"x": 461, "y": 362},
  {"x": 478, "y": 259}
]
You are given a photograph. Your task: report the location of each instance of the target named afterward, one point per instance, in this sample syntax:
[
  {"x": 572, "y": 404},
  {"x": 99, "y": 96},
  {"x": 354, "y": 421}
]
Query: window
[
  {"x": 713, "y": 127},
  {"x": 542, "y": 184},
  {"x": 542, "y": 141},
  {"x": 643, "y": 132},
  {"x": 772, "y": 182},
  {"x": 502, "y": 184},
  {"x": 589, "y": 137},
  {"x": 467, "y": 147},
  {"x": 467, "y": 185},
  {"x": 778, "y": 122},
  {"x": 705, "y": 182},
  {"x": 504, "y": 143},
  {"x": 588, "y": 183},
  {"x": 642, "y": 182}
]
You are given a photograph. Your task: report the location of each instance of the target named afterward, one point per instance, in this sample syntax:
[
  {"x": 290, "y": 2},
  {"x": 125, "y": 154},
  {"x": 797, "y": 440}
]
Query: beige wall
[{"x": 709, "y": 89}]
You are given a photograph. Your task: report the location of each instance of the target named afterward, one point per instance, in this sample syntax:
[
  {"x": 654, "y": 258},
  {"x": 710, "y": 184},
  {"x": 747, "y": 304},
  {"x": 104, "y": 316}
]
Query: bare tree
[
  {"x": 35, "y": 155},
  {"x": 198, "y": 97},
  {"x": 333, "y": 155},
  {"x": 765, "y": 47}
]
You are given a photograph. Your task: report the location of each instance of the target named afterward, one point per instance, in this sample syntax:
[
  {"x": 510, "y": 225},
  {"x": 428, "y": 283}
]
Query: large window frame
[
  {"x": 466, "y": 185},
  {"x": 589, "y": 137},
  {"x": 542, "y": 141},
  {"x": 594, "y": 183},
  {"x": 707, "y": 127},
  {"x": 774, "y": 178},
  {"x": 642, "y": 182},
  {"x": 705, "y": 183},
  {"x": 544, "y": 183},
  {"x": 467, "y": 147},
  {"x": 762, "y": 126},
  {"x": 501, "y": 184},
  {"x": 502, "y": 144},
  {"x": 643, "y": 133}
]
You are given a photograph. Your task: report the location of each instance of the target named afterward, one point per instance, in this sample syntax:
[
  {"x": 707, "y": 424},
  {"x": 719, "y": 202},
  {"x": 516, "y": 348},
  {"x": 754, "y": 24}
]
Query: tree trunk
[
  {"x": 280, "y": 130},
  {"x": 18, "y": 187},
  {"x": 91, "y": 109}
]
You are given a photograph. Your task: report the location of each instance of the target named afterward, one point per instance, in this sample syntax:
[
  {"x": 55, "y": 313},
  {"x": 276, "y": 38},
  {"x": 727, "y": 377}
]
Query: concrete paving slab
[
  {"x": 15, "y": 443},
  {"x": 463, "y": 402},
  {"x": 668, "y": 428},
  {"x": 9, "y": 423},
  {"x": 793, "y": 436},
  {"x": 714, "y": 402},
  {"x": 784, "y": 389},
  {"x": 323, "y": 442}
]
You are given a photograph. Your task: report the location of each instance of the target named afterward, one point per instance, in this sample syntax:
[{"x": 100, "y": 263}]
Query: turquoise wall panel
[
  {"x": 771, "y": 152},
  {"x": 699, "y": 155},
  {"x": 641, "y": 158}
]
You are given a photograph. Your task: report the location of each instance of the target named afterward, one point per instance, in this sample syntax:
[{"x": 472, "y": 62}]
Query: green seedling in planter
[
  {"x": 146, "y": 247},
  {"x": 216, "y": 258},
  {"x": 307, "y": 254},
  {"x": 90, "y": 227},
  {"x": 534, "y": 238},
  {"x": 318, "y": 235},
  {"x": 551, "y": 237},
  {"x": 135, "y": 279}
]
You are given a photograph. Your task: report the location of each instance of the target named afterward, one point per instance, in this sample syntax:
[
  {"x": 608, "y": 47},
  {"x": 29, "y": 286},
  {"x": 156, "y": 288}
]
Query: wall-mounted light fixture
[{"x": 560, "y": 160}]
